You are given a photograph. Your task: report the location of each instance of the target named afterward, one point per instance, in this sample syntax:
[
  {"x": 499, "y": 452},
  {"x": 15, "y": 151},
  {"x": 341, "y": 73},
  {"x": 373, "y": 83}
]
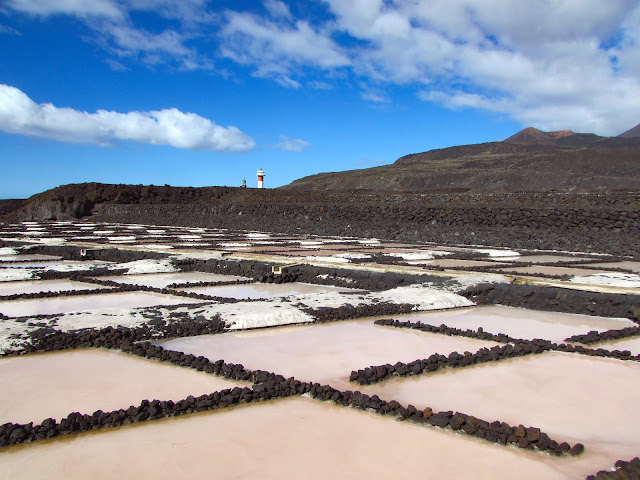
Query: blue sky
[{"x": 198, "y": 92}]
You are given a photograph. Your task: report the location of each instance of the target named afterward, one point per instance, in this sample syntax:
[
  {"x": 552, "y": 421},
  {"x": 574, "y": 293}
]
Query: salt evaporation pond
[
  {"x": 323, "y": 353},
  {"x": 547, "y": 270},
  {"x": 265, "y": 290},
  {"x": 571, "y": 397},
  {"x": 36, "y": 286},
  {"x": 81, "y": 303},
  {"x": 521, "y": 322},
  {"x": 162, "y": 280},
  {"x": 633, "y": 266},
  {"x": 288, "y": 438},
  {"x": 44, "y": 264},
  {"x": 52, "y": 385},
  {"x": 28, "y": 257},
  {"x": 542, "y": 259},
  {"x": 631, "y": 344}
]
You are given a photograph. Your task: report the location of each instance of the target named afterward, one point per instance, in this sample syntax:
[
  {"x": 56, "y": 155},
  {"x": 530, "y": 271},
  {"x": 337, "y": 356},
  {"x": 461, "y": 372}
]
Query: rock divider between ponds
[
  {"x": 435, "y": 362},
  {"x": 623, "y": 471},
  {"x": 514, "y": 348},
  {"x": 614, "y": 334},
  {"x": 555, "y": 299},
  {"x": 267, "y": 386},
  {"x": 449, "y": 331}
]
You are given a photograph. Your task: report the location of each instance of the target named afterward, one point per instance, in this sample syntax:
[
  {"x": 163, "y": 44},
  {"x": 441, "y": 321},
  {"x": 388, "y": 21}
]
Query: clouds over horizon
[
  {"x": 554, "y": 65},
  {"x": 20, "y": 115}
]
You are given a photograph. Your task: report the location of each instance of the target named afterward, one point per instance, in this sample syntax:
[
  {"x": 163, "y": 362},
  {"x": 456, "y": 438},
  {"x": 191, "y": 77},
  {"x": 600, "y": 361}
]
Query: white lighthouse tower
[{"x": 260, "y": 175}]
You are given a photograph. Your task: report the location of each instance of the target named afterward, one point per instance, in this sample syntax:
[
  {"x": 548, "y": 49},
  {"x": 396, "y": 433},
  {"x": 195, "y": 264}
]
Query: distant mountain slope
[
  {"x": 533, "y": 136},
  {"x": 633, "y": 133},
  {"x": 531, "y": 160}
]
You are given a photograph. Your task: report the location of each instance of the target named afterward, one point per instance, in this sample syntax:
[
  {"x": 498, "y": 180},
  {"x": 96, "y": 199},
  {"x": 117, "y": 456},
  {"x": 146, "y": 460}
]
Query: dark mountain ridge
[{"x": 530, "y": 160}]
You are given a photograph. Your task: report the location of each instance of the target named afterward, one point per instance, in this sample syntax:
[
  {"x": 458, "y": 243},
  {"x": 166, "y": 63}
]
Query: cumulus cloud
[
  {"x": 80, "y": 8},
  {"x": 116, "y": 31},
  {"x": 277, "y": 8},
  {"x": 21, "y": 115},
  {"x": 562, "y": 64},
  {"x": 277, "y": 50},
  {"x": 291, "y": 144}
]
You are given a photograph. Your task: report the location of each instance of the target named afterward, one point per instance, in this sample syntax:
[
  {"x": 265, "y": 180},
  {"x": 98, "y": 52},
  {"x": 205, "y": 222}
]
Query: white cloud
[
  {"x": 539, "y": 61},
  {"x": 8, "y": 30},
  {"x": 277, "y": 9},
  {"x": 21, "y": 115},
  {"x": 278, "y": 50},
  {"x": 117, "y": 33},
  {"x": 374, "y": 97},
  {"x": 291, "y": 144},
  {"x": 562, "y": 64},
  {"x": 80, "y": 8}
]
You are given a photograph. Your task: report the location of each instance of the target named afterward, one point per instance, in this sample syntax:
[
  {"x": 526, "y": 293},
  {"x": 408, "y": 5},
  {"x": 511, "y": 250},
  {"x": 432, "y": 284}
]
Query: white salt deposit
[
  {"x": 495, "y": 253},
  {"x": 8, "y": 251},
  {"x": 52, "y": 241},
  {"x": 420, "y": 255},
  {"x": 240, "y": 316},
  {"x": 356, "y": 256},
  {"x": 123, "y": 238},
  {"x": 613, "y": 279},
  {"x": 327, "y": 259},
  {"x": 423, "y": 297},
  {"x": 146, "y": 266},
  {"x": 13, "y": 274},
  {"x": 465, "y": 281}
]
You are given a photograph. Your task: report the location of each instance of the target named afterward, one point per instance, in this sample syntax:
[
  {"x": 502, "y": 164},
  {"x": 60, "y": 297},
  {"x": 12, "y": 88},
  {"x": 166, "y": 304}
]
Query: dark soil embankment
[{"x": 603, "y": 223}]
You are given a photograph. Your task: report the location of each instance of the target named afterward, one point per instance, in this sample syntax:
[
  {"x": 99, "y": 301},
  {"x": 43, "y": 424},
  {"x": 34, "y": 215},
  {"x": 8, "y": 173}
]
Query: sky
[{"x": 201, "y": 93}]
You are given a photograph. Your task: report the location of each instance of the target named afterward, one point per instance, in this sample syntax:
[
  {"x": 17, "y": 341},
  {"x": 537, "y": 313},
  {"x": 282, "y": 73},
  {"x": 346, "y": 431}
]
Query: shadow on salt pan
[
  {"x": 53, "y": 385},
  {"x": 288, "y": 438},
  {"x": 324, "y": 353}
]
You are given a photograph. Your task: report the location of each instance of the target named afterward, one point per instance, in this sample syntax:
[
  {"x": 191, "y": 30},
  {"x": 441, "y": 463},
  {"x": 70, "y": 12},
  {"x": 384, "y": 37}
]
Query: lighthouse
[{"x": 260, "y": 175}]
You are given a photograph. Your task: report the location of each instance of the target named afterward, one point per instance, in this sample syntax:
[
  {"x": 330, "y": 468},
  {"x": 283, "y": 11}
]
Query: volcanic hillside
[{"x": 530, "y": 160}]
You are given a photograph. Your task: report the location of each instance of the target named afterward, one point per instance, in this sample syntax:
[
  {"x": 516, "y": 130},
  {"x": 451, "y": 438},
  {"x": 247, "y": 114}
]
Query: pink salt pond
[
  {"x": 571, "y": 397},
  {"x": 550, "y": 270},
  {"x": 36, "y": 286},
  {"x": 631, "y": 344},
  {"x": 52, "y": 385},
  {"x": 288, "y": 438},
  {"x": 162, "y": 280},
  {"x": 323, "y": 353},
  {"x": 81, "y": 303},
  {"x": 264, "y": 290},
  {"x": 520, "y": 322}
]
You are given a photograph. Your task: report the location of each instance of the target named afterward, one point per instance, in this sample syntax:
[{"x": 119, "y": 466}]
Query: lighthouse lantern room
[{"x": 260, "y": 175}]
